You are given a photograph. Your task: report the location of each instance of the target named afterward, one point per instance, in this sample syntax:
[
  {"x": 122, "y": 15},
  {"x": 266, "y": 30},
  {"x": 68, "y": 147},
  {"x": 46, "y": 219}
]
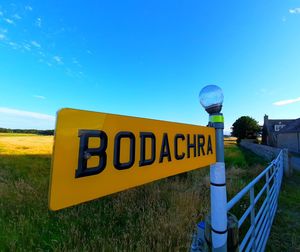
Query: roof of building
[
  {"x": 292, "y": 127},
  {"x": 271, "y": 123}
]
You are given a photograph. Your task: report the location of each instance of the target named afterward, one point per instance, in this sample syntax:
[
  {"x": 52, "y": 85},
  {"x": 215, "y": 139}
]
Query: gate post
[
  {"x": 211, "y": 98},
  {"x": 286, "y": 166}
]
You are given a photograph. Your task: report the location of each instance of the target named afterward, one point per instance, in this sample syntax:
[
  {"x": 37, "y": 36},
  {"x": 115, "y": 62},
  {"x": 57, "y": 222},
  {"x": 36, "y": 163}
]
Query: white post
[
  {"x": 211, "y": 98},
  {"x": 218, "y": 193}
]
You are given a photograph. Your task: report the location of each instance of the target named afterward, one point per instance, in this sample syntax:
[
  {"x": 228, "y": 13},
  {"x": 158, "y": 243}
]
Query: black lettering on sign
[
  {"x": 201, "y": 142},
  {"x": 209, "y": 146},
  {"x": 143, "y": 137},
  {"x": 177, "y": 156},
  {"x": 165, "y": 149},
  {"x": 85, "y": 153},
  {"x": 191, "y": 145},
  {"x": 117, "y": 150}
]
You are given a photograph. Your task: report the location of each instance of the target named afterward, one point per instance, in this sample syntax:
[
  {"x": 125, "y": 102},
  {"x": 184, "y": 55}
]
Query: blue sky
[{"x": 148, "y": 59}]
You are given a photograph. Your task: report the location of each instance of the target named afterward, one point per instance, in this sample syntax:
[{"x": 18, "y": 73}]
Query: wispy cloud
[
  {"x": 15, "y": 24},
  {"x": 58, "y": 59},
  {"x": 76, "y": 62},
  {"x": 266, "y": 92},
  {"x": 2, "y": 30},
  {"x": 286, "y": 102},
  {"x": 41, "y": 53},
  {"x": 294, "y": 11},
  {"x": 14, "y": 45},
  {"x": 38, "y": 22},
  {"x": 9, "y": 21},
  {"x": 39, "y": 97},
  {"x": 27, "y": 47},
  {"x": 28, "y": 114},
  {"x": 36, "y": 44},
  {"x": 28, "y": 8},
  {"x": 17, "y": 16}
]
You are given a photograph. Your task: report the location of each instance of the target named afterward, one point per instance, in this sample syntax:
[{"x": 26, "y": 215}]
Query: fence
[
  {"x": 256, "y": 237},
  {"x": 261, "y": 210}
]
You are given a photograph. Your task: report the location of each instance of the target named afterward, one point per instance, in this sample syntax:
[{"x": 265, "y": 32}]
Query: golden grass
[
  {"x": 25, "y": 144},
  {"x": 230, "y": 141}
]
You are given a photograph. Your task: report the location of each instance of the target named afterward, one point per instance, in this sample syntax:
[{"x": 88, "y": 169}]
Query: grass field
[
  {"x": 25, "y": 144},
  {"x": 158, "y": 216},
  {"x": 285, "y": 233}
]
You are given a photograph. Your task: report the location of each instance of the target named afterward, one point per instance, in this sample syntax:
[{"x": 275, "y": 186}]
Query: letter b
[{"x": 85, "y": 152}]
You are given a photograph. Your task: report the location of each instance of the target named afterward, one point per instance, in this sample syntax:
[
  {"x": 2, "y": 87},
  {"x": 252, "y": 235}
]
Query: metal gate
[{"x": 260, "y": 211}]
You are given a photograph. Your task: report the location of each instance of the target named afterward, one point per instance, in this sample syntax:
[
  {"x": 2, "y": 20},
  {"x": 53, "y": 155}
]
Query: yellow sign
[{"x": 96, "y": 154}]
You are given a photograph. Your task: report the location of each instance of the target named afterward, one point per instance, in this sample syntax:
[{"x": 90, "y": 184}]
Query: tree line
[
  {"x": 28, "y": 131},
  {"x": 246, "y": 127},
  {"x": 243, "y": 127}
]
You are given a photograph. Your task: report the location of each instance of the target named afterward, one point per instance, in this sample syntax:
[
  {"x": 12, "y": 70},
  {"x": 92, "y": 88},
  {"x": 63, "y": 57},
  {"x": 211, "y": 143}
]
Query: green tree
[{"x": 245, "y": 127}]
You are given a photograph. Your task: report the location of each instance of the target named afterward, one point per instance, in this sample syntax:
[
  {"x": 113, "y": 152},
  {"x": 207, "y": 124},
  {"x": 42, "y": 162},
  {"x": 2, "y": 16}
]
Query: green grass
[
  {"x": 285, "y": 232},
  {"x": 239, "y": 157},
  {"x": 158, "y": 216}
]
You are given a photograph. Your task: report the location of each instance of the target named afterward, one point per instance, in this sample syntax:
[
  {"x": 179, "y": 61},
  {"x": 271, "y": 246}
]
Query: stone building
[{"x": 282, "y": 133}]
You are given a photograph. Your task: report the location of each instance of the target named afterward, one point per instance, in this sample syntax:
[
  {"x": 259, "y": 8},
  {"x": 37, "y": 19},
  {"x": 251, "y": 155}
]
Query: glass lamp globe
[{"x": 211, "y": 98}]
